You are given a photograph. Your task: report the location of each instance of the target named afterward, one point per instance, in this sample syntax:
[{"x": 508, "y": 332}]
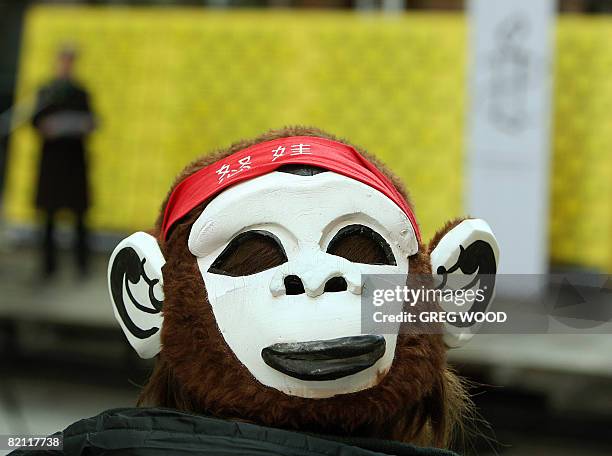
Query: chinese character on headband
[
  {"x": 223, "y": 172},
  {"x": 245, "y": 163},
  {"x": 300, "y": 149},
  {"x": 278, "y": 152}
]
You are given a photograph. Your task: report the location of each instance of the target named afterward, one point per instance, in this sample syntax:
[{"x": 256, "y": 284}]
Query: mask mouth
[{"x": 325, "y": 359}]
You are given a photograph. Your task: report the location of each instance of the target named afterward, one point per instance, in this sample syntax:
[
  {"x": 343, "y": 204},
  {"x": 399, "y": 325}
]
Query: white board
[{"x": 508, "y": 137}]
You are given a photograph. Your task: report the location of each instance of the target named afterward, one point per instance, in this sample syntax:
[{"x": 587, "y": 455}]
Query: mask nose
[
  {"x": 315, "y": 273},
  {"x": 294, "y": 285}
]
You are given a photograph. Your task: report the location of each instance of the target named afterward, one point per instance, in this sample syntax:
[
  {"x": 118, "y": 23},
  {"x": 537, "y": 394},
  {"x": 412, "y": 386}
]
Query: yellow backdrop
[{"x": 172, "y": 84}]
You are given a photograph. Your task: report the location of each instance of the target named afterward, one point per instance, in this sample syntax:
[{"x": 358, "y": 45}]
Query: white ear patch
[
  {"x": 135, "y": 284},
  {"x": 469, "y": 249}
]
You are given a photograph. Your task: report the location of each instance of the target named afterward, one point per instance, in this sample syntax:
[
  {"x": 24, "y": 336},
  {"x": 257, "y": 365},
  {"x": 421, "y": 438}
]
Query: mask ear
[
  {"x": 135, "y": 283},
  {"x": 466, "y": 257}
]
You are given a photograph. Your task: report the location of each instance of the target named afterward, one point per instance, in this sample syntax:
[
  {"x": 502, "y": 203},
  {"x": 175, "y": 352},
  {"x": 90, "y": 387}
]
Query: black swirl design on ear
[
  {"x": 128, "y": 268},
  {"x": 478, "y": 258}
]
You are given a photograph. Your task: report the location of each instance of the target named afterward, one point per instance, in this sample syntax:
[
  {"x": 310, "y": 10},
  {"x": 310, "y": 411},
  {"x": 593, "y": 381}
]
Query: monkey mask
[{"x": 275, "y": 238}]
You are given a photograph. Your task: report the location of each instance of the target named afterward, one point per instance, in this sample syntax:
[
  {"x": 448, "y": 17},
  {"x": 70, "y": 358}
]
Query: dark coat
[
  {"x": 62, "y": 179},
  {"x": 154, "y": 431}
]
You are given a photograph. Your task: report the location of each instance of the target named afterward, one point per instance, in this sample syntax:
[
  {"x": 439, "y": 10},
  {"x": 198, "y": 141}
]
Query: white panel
[{"x": 509, "y": 127}]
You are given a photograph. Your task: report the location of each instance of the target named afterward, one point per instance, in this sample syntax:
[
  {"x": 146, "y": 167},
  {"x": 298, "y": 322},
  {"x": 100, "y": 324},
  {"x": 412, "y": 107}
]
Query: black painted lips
[{"x": 325, "y": 359}]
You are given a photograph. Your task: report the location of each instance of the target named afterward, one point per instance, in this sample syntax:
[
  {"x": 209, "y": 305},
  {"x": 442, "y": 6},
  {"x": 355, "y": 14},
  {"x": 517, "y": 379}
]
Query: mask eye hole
[
  {"x": 361, "y": 244},
  {"x": 249, "y": 253}
]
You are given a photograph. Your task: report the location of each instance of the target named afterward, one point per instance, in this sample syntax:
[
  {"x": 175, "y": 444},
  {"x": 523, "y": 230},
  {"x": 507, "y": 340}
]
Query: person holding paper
[{"x": 63, "y": 117}]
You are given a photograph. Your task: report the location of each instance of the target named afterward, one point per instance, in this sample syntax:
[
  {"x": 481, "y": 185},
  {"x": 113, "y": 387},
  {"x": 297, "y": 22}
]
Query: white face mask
[{"x": 263, "y": 312}]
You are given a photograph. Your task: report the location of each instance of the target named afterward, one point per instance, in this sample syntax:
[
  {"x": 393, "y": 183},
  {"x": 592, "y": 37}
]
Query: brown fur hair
[{"x": 419, "y": 400}]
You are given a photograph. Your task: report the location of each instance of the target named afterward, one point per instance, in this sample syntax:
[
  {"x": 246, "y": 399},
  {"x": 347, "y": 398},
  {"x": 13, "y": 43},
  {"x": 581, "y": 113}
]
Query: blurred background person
[{"x": 63, "y": 118}]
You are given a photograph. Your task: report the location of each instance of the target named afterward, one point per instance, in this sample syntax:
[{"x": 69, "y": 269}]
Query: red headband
[{"x": 264, "y": 158}]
